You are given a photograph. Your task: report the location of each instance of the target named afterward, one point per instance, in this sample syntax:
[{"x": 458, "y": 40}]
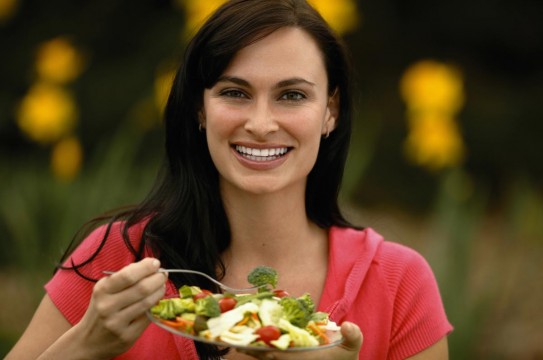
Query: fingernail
[{"x": 156, "y": 263}]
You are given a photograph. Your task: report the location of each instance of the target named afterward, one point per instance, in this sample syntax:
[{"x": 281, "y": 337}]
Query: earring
[
  {"x": 200, "y": 127},
  {"x": 327, "y": 134}
]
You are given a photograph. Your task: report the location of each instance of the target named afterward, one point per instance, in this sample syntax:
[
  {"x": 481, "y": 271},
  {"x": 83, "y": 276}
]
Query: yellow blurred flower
[
  {"x": 434, "y": 142},
  {"x": 433, "y": 93},
  {"x": 57, "y": 60},
  {"x": 430, "y": 84},
  {"x": 66, "y": 158},
  {"x": 8, "y": 8},
  {"x": 342, "y": 15},
  {"x": 162, "y": 86},
  {"x": 47, "y": 113}
]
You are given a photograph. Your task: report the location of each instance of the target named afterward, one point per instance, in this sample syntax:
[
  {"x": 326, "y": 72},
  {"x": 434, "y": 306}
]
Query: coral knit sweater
[{"x": 386, "y": 288}]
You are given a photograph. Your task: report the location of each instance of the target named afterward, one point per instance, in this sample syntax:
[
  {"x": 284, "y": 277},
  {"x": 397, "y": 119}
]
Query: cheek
[
  {"x": 219, "y": 129},
  {"x": 222, "y": 118},
  {"x": 219, "y": 125},
  {"x": 306, "y": 125}
]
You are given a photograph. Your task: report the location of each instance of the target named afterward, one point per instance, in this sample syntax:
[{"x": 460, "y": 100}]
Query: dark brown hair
[{"x": 188, "y": 227}]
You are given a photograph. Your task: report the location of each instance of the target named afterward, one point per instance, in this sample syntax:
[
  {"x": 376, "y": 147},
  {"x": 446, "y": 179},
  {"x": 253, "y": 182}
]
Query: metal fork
[{"x": 220, "y": 284}]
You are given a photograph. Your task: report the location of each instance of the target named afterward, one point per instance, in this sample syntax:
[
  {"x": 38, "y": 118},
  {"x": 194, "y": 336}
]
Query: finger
[
  {"x": 143, "y": 288},
  {"x": 137, "y": 308},
  {"x": 150, "y": 287},
  {"x": 352, "y": 335},
  {"x": 131, "y": 274},
  {"x": 124, "y": 321}
]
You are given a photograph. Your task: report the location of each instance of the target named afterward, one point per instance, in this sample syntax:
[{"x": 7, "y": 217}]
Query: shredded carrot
[
  {"x": 180, "y": 324},
  {"x": 320, "y": 333},
  {"x": 171, "y": 323},
  {"x": 244, "y": 321}
]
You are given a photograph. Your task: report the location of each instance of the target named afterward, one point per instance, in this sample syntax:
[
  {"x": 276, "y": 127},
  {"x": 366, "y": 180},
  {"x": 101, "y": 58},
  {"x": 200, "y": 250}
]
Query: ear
[
  {"x": 332, "y": 113},
  {"x": 202, "y": 119}
]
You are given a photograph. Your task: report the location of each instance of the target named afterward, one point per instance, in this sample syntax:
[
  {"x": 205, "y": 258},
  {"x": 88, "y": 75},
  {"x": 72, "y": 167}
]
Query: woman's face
[{"x": 265, "y": 116}]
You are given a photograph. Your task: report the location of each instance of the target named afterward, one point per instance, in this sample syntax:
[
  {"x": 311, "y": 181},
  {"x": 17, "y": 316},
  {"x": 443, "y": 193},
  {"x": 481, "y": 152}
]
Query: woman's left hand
[{"x": 347, "y": 350}]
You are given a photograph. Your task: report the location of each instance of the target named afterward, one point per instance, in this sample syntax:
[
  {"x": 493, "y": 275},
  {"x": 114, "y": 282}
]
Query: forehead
[{"x": 286, "y": 52}]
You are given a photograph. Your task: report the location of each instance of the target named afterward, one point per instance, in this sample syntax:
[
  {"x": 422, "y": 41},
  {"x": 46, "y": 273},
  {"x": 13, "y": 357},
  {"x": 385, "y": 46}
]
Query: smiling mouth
[{"x": 261, "y": 154}]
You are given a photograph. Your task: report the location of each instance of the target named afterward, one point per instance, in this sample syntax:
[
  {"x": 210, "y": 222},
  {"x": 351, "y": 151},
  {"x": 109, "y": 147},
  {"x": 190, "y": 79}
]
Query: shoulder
[
  {"x": 103, "y": 249},
  {"x": 408, "y": 275},
  {"x": 107, "y": 247},
  {"x": 108, "y": 240},
  {"x": 353, "y": 241},
  {"x": 389, "y": 289},
  {"x": 393, "y": 261},
  {"x": 419, "y": 319}
]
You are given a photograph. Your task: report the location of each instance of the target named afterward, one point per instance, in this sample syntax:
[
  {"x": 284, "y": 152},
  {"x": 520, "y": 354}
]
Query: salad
[{"x": 269, "y": 318}]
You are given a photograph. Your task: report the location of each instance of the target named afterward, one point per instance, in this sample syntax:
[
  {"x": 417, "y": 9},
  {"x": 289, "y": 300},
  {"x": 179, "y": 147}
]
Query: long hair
[{"x": 187, "y": 226}]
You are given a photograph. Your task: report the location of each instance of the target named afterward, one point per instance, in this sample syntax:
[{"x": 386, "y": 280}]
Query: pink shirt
[{"x": 386, "y": 288}]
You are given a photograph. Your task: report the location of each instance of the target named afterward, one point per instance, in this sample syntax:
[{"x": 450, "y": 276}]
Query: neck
[{"x": 264, "y": 226}]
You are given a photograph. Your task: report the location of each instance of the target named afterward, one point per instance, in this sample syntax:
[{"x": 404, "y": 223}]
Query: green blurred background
[{"x": 446, "y": 155}]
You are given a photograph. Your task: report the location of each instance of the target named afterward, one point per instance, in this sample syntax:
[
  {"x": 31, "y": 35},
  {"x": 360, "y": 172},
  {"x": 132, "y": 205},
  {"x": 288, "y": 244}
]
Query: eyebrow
[{"x": 280, "y": 84}]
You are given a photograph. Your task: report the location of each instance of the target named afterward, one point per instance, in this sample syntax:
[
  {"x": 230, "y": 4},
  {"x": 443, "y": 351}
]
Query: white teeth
[{"x": 261, "y": 154}]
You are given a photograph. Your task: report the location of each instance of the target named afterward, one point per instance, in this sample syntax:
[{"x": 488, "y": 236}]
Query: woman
[{"x": 257, "y": 130}]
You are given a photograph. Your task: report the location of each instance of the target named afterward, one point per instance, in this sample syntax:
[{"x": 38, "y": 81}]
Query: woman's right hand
[{"x": 116, "y": 316}]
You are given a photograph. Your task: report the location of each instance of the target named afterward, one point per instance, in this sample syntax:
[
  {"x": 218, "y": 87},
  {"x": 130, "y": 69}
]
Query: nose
[{"x": 261, "y": 120}]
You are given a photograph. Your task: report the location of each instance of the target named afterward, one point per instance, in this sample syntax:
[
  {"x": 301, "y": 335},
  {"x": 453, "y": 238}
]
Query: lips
[{"x": 261, "y": 154}]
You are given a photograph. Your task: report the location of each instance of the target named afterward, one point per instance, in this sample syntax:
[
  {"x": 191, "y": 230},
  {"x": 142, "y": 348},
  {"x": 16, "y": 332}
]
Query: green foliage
[{"x": 39, "y": 215}]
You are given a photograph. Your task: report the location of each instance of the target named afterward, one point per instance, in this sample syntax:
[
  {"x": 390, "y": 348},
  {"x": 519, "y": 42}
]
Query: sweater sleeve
[
  {"x": 69, "y": 291},
  {"x": 419, "y": 318}
]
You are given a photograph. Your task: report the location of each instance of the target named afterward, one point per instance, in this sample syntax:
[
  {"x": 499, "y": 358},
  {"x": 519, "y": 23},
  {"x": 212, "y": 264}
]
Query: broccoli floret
[
  {"x": 299, "y": 337},
  {"x": 262, "y": 276},
  {"x": 295, "y": 311},
  {"x": 207, "y": 306},
  {"x": 319, "y": 317},
  {"x": 187, "y": 291},
  {"x": 164, "y": 309},
  {"x": 171, "y": 308},
  {"x": 308, "y": 302},
  {"x": 182, "y": 305}
]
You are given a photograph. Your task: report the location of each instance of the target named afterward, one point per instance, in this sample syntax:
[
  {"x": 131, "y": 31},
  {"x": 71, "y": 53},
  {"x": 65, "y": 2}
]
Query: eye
[
  {"x": 233, "y": 93},
  {"x": 293, "y": 96}
]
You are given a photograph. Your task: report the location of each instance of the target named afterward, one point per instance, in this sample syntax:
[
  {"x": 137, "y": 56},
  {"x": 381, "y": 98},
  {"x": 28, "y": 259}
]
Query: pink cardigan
[{"x": 386, "y": 288}]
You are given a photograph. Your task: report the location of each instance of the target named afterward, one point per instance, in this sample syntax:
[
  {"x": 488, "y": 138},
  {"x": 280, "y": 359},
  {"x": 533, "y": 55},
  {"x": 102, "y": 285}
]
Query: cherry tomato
[
  {"x": 268, "y": 333},
  {"x": 280, "y": 293},
  {"x": 202, "y": 294},
  {"x": 227, "y": 303}
]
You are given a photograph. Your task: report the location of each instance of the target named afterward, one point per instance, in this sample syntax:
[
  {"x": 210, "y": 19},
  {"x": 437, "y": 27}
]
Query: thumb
[{"x": 352, "y": 336}]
